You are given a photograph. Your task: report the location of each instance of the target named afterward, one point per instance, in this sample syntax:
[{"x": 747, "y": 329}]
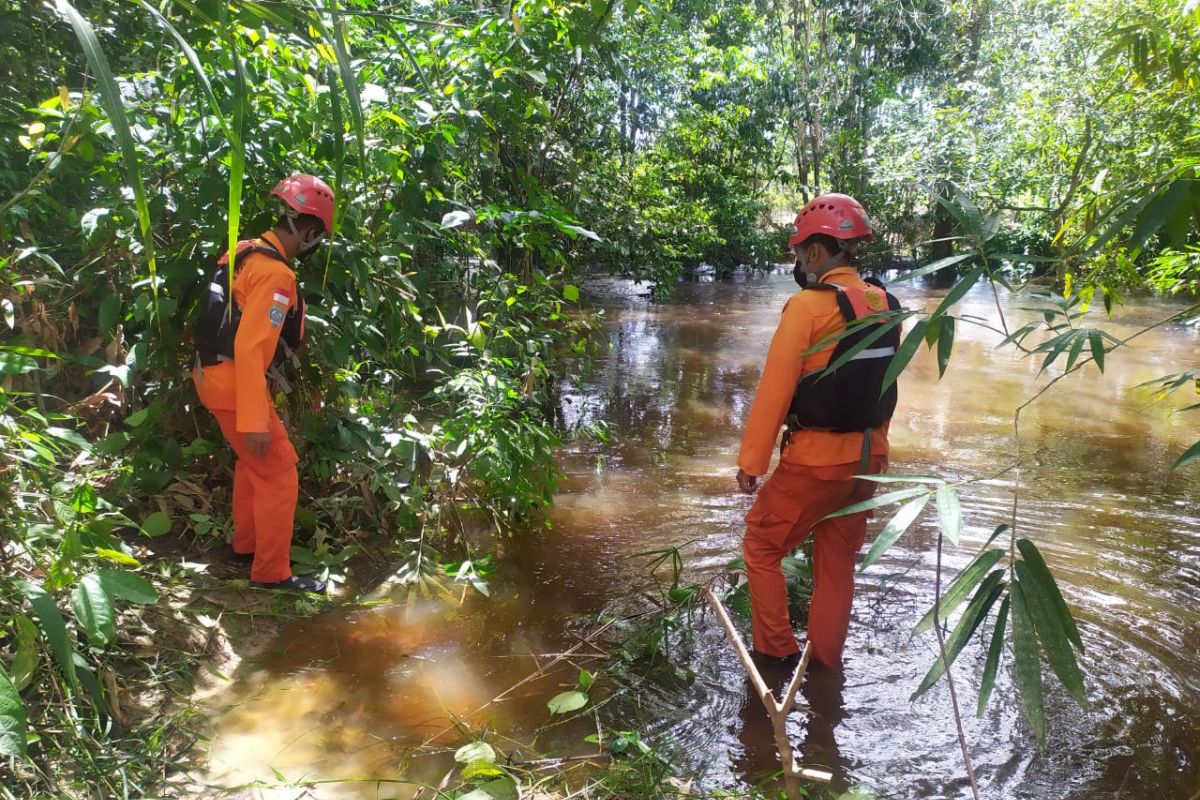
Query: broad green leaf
[
  {"x": 586, "y": 679},
  {"x": 567, "y": 702},
  {"x": 895, "y": 528},
  {"x": 880, "y": 500},
  {"x": 1027, "y": 664},
  {"x": 94, "y": 610},
  {"x": 1050, "y": 632},
  {"x": 114, "y": 106},
  {"x": 1189, "y": 455},
  {"x": 475, "y": 751},
  {"x": 956, "y": 293},
  {"x": 995, "y": 650},
  {"x": 945, "y": 345},
  {"x": 1035, "y": 561},
  {"x": 16, "y": 363},
  {"x": 977, "y": 610},
  {"x": 128, "y": 586},
  {"x": 13, "y": 721},
  {"x": 960, "y": 588},
  {"x": 117, "y": 557},
  {"x": 571, "y": 293},
  {"x": 904, "y": 354},
  {"x": 110, "y": 307},
  {"x": 949, "y": 513},
  {"x": 54, "y": 628},
  {"x": 157, "y": 524},
  {"x": 25, "y": 661}
]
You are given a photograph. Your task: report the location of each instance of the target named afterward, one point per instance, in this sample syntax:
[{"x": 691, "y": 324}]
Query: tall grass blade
[{"x": 114, "y": 106}]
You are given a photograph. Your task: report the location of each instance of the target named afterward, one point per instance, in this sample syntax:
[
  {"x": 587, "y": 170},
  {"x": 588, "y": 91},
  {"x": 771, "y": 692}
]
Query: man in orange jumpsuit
[
  {"x": 233, "y": 385},
  {"x": 814, "y": 475}
]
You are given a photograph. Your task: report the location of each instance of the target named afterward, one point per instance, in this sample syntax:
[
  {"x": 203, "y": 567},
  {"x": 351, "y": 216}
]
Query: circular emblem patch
[
  {"x": 875, "y": 301},
  {"x": 276, "y": 316}
]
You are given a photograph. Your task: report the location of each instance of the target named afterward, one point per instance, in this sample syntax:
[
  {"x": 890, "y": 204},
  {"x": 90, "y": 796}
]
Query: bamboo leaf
[
  {"x": 904, "y": 354},
  {"x": 237, "y": 163},
  {"x": 1159, "y": 211},
  {"x": 1050, "y": 632},
  {"x": 1055, "y": 347},
  {"x": 949, "y": 513},
  {"x": 900, "y": 477},
  {"x": 879, "y": 500},
  {"x": 1001, "y": 528},
  {"x": 954, "y": 596},
  {"x": 13, "y": 721},
  {"x": 894, "y": 529},
  {"x": 1097, "y": 342},
  {"x": 1189, "y": 455},
  {"x": 1076, "y": 348},
  {"x": 1035, "y": 561},
  {"x": 1027, "y": 664},
  {"x": 945, "y": 346},
  {"x": 956, "y": 293},
  {"x": 934, "y": 266},
  {"x": 977, "y": 611},
  {"x": 862, "y": 344},
  {"x": 114, "y": 106},
  {"x": 995, "y": 650},
  {"x": 336, "y": 31}
]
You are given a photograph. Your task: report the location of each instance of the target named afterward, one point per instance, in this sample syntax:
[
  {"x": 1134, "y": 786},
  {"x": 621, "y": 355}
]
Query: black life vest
[
  {"x": 220, "y": 316},
  {"x": 850, "y": 399}
]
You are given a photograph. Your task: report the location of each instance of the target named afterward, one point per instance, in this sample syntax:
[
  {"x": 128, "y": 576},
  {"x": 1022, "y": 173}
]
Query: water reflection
[{"x": 351, "y": 694}]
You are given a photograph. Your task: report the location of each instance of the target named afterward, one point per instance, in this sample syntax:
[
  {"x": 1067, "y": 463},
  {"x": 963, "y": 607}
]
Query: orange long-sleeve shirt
[
  {"x": 807, "y": 318},
  {"x": 265, "y": 290}
]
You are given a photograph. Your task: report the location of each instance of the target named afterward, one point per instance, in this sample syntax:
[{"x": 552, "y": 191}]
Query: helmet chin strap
[{"x": 302, "y": 246}]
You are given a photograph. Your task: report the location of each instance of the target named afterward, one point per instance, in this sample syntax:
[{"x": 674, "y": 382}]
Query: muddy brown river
[{"x": 386, "y": 692}]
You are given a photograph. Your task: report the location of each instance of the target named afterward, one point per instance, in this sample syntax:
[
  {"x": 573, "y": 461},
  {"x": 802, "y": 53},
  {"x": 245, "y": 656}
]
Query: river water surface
[{"x": 389, "y": 691}]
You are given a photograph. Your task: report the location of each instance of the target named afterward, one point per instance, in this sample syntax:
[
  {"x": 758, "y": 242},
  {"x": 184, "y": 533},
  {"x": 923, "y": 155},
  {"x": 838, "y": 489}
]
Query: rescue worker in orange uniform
[
  {"x": 836, "y": 429},
  {"x": 235, "y": 347}
]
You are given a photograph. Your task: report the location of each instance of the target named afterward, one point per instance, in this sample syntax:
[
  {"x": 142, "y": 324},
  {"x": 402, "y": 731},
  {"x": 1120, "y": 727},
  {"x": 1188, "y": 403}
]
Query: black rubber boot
[
  {"x": 296, "y": 583},
  {"x": 241, "y": 558}
]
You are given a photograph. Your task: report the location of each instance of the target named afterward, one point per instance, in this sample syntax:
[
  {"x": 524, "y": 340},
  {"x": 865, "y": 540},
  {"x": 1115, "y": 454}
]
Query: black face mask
[{"x": 802, "y": 277}]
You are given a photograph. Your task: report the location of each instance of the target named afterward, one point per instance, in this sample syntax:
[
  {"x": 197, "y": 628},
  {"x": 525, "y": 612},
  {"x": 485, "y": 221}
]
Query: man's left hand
[{"x": 746, "y": 482}]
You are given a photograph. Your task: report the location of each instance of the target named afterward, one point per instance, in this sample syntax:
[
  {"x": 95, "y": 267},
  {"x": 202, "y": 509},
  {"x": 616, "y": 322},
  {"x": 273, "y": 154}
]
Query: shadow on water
[{"x": 354, "y": 693}]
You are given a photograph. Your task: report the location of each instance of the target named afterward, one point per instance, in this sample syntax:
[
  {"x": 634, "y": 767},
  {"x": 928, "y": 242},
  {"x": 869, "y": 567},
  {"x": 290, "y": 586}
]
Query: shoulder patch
[{"x": 276, "y": 316}]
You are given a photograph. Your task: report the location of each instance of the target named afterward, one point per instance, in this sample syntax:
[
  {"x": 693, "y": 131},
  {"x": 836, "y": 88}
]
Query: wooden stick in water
[{"x": 777, "y": 711}]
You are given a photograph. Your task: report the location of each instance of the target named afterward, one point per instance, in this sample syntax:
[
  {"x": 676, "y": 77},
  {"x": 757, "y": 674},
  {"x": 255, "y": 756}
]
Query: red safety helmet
[
  {"x": 836, "y": 215},
  {"x": 307, "y": 194}
]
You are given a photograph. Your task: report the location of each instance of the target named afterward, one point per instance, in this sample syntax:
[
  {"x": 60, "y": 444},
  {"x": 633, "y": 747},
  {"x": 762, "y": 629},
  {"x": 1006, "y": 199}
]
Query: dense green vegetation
[{"x": 488, "y": 159}]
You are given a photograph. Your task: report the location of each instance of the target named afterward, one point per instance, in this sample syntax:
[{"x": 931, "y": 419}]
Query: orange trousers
[
  {"x": 788, "y": 508},
  {"x": 265, "y": 491}
]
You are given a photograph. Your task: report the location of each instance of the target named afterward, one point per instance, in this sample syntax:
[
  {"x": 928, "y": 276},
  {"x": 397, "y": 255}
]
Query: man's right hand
[
  {"x": 746, "y": 482},
  {"x": 258, "y": 443}
]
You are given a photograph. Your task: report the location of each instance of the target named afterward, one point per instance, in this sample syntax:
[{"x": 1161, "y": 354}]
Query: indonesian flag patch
[{"x": 282, "y": 296}]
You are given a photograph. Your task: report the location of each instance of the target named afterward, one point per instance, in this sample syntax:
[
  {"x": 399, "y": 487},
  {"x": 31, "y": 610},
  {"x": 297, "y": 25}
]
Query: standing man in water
[
  {"x": 836, "y": 428},
  {"x": 237, "y": 340}
]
